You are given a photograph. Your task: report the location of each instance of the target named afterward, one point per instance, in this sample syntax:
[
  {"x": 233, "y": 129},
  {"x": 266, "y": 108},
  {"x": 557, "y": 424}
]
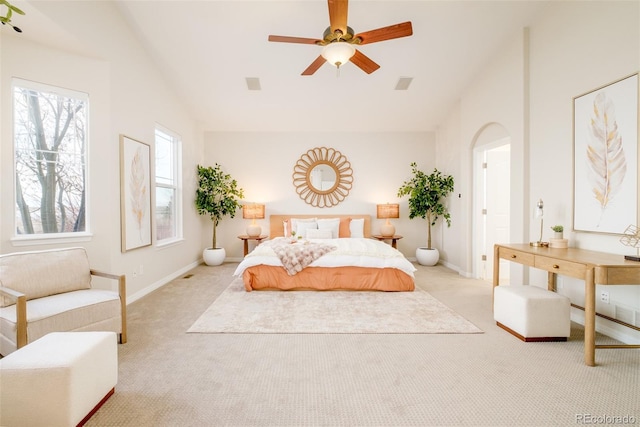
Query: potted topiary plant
[
  {"x": 217, "y": 195},
  {"x": 426, "y": 195}
]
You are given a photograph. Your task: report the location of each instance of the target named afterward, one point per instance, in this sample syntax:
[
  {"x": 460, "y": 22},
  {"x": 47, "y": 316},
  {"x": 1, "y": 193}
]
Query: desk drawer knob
[
  {"x": 556, "y": 266},
  {"x": 513, "y": 257}
]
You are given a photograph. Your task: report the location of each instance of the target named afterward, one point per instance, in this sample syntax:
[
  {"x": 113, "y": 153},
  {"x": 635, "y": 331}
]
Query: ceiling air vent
[
  {"x": 253, "y": 83},
  {"x": 403, "y": 83}
]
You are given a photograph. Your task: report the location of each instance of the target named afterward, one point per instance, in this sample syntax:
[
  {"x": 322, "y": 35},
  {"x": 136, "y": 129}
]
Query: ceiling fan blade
[
  {"x": 386, "y": 33},
  {"x": 362, "y": 61},
  {"x": 338, "y": 10},
  {"x": 314, "y": 66},
  {"x": 287, "y": 39}
]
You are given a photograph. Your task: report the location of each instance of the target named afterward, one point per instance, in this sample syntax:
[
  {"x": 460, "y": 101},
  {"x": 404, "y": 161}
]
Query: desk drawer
[
  {"x": 517, "y": 256},
  {"x": 566, "y": 268}
]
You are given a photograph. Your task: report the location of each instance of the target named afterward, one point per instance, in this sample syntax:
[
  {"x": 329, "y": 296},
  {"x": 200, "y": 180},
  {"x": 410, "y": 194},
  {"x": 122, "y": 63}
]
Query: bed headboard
[{"x": 276, "y": 227}]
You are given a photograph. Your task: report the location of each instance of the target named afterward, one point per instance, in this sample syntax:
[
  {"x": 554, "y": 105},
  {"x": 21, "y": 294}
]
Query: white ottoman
[
  {"x": 60, "y": 379},
  {"x": 531, "y": 313}
]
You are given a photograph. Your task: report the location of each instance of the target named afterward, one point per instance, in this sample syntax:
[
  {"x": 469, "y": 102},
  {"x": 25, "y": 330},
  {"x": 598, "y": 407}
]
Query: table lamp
[
  {"x": 386, "y": 211},
  {"x": 253, "y": 211},
  {"x": 539, "y": 213}
]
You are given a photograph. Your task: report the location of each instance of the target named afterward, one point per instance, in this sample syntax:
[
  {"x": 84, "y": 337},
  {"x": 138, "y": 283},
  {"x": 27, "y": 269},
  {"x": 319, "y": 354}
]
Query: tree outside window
[{"x": 50, "y": 140}]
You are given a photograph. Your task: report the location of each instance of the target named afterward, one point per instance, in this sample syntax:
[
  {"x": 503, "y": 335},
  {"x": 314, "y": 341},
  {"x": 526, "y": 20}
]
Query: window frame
[
  {"x": 176, "y": 186},
  {"x": 60, "y": 237}
]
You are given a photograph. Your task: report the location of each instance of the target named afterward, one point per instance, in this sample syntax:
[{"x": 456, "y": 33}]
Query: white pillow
[
  {"x": 319, "y": 234},
  {"x": 332, "y": 224},
  {"x": 294, "y": 223},
  {"x": 356, "y": 227},
  {"x": 302, "y": 227}
]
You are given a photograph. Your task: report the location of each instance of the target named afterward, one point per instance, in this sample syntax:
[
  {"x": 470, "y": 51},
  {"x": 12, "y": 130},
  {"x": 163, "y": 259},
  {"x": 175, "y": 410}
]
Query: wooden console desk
[{"x": 591, "y": 266}]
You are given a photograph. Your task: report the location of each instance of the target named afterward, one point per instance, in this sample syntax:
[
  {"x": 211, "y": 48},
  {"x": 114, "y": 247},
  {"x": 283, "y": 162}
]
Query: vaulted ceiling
[{"x": 207, "y": 48}]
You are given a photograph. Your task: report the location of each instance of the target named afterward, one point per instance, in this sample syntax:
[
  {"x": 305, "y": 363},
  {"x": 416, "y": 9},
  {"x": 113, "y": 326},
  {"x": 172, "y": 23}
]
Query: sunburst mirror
[{"x": 322, "y": 177}]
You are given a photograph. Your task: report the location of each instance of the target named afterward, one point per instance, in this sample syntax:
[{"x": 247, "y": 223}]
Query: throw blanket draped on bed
[{"x": 296, "y": 256}]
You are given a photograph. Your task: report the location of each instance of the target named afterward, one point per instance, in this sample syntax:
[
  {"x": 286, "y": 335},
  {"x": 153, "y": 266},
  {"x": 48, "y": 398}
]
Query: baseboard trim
[{"x": 160, "y": 283}]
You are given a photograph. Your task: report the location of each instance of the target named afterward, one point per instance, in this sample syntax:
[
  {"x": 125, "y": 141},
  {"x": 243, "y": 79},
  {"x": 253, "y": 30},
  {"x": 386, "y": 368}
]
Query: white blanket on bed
[{"x": 356, "y": 252}]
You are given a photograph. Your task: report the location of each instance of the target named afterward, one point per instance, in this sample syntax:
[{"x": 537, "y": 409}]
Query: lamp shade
[
  {"x": 253, "y": 211},
  {"x": 389, "y": 210},
  {"x": 338, "y": 53}
]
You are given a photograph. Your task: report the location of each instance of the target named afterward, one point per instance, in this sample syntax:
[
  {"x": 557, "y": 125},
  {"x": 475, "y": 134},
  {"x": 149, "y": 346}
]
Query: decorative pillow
[
  {"x": 319, "y": 233},
  {"x": 295, "y": 221},
  {"x": 286, "y": 227},
  {"x": 356, "y": 226},
  {"x": 343, "y": 231},
  {"x": 302, "y": 227},
  {"x": 332, "y": 224}
]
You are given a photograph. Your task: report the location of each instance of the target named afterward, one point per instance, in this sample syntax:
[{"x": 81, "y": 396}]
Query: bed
[{"x": 337, "y": 254}]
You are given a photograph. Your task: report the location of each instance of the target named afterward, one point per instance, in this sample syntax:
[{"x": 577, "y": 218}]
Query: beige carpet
[
  {"x": 332, "y": 312},
  {"x": 169, "y": 378}
]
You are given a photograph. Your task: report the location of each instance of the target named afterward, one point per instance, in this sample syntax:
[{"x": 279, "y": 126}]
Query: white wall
[
  {"x": 262, "y": 163},
  {"x": 528, "y": 88},
  {"x": 579, "y": 68},
  {"x": 127, "y": 96}
]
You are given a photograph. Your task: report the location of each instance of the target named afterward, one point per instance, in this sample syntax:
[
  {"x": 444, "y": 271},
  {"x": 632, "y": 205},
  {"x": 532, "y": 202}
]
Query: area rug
[{"x": 329, "y": 312}]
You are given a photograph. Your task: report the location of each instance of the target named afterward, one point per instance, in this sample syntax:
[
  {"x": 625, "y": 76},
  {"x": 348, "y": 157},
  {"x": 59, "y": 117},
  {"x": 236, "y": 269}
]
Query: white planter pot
[
  {"x": 426, "y": 256},
  {"x": 214, "y": 256}
]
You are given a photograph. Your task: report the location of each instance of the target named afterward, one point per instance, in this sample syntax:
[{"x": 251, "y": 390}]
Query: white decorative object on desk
[{"x": 632, "y": 238}]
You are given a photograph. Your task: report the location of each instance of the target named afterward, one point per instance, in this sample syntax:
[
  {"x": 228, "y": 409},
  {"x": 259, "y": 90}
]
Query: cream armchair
[{"x": 50, "y": 291}]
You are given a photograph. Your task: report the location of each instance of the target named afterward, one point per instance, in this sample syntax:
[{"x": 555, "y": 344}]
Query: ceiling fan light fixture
[{"x": 338, "y": 53}]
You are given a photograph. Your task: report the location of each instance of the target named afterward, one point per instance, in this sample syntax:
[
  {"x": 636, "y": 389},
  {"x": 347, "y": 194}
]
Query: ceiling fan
[{"x": 339, "y": 40}]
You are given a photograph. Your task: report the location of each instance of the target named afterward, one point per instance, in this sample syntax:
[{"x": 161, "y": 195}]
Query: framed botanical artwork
[
  {"x": 135, "y": 194},
  {"x": 605, "y": 158}
]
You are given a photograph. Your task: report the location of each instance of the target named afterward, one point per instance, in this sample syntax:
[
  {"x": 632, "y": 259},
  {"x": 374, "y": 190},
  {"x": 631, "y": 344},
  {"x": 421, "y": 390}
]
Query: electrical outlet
[
  {"x": 134, "y": 274},
  {"x": 604, "y": 297}
]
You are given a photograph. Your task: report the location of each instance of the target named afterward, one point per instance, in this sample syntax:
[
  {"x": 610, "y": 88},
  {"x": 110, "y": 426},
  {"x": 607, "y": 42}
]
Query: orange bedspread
[{"x": 328, "y": 278}]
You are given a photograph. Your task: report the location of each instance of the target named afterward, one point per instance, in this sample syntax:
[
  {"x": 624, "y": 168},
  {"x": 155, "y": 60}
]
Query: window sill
[
  {"x": 43, "y": 239},
  {"x": 169, "y": 243}
]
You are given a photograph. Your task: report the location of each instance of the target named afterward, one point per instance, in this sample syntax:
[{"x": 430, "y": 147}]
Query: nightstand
[
  {"x": 246, "y": 239},
  {"x": 394, "y": 239}
]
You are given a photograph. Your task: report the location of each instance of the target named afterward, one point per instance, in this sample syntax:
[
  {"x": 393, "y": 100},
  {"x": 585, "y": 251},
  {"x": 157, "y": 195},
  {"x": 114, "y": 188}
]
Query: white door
[
  {"x": 492, "y": 207},
  {"x": 498, "y": 200}
]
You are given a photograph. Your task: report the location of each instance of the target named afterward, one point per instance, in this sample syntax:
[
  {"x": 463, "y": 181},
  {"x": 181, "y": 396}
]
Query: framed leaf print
[
  {"x": 605, "y": 146},
  {"x": 135, "y": 194}
]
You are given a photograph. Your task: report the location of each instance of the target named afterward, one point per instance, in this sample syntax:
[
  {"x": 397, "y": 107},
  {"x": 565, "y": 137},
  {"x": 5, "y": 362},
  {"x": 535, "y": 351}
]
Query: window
[
  {"x": 168, "y": 187},
  {"x": 50, "y": 132}
]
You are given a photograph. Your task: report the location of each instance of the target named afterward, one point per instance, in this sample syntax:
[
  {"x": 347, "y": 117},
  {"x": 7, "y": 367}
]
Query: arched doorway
[{"x": 492, "y": 198}]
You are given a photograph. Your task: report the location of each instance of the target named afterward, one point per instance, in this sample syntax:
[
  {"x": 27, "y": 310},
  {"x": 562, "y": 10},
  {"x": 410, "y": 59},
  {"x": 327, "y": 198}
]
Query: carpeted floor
[{"x": 168, "y": 377}]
